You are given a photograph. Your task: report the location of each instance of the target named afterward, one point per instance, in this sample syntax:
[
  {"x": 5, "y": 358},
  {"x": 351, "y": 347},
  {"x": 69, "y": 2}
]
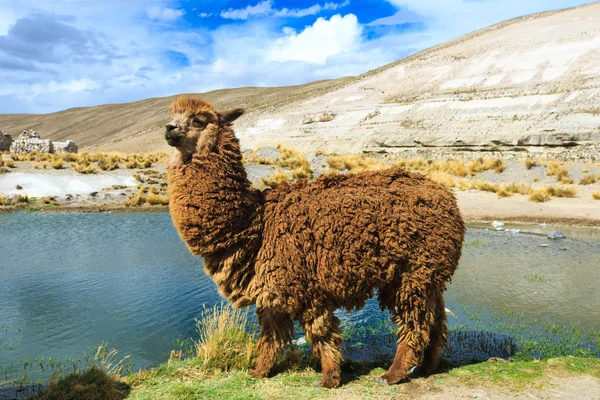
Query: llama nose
[{"x": 170, "y": 127}]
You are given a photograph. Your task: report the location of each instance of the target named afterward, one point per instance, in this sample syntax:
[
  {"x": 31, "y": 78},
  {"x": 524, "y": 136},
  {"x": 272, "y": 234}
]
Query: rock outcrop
[
  {"x": 5, "y": 141},
  {"x": 65, "y": 147},
  {"x": 30, "y": 141}
]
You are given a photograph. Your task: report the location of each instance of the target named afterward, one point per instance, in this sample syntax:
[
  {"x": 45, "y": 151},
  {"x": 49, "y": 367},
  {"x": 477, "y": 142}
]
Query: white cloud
[
  {"x": 164, "y": 14},
  {"x": 318, "y": 42},
  {"x": 448, "y": 19},
  {"x": 316, "y": 9},
  {"x": 262, "y": 8},
  {"x": 265, "y": 8}
]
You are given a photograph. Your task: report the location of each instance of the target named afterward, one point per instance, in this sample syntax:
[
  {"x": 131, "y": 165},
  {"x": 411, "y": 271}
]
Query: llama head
[{"x": 195, "y": 125}]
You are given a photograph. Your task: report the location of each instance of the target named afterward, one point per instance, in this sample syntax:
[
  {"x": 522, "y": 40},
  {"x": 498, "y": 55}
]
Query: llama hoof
[
  {"x": 381, "y": 381},
  {"x": 386, "y": 380},
  {"x": 327, "y": 384},
  {"x": 256, "y": 373}
]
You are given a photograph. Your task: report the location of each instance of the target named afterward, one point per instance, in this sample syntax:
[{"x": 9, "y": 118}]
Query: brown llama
[{"x": 303, "y": 250}]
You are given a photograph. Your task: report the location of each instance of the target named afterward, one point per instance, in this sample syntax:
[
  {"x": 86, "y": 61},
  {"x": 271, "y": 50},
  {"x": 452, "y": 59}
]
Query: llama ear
[{"x": 230, "y": 115}]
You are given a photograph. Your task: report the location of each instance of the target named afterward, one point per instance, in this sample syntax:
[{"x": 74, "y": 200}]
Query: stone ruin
[
  {"x": 30, "y": 141},
  {"x": 5, "y": 141}
]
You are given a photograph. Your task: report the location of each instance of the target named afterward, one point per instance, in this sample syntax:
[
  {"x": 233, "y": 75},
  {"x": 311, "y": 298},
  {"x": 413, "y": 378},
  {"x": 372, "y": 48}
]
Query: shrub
[
  {"x": 107, "y": 164},
  {"x": 155, "y": 199},
  {"x": 562, "y": 191},
  {"x": 485, "y": 186},
  {"x": 596, "y": 195},
  {"x": 274, "y": 180},
  {"x": 587, "y": 179},
  {"x": 10, "y": 164},
  {"x": 58, "y": 163},
  {"x": 20, "y": 199},
  {"x": 84, "y": 167},
  {"x": 529, "y": 163},
  {"x": 540, "y": 196},
  {"x": 224, "y": 343},
  {"x": 355, "y": 163},
  {"x": 560, "y": 173}
]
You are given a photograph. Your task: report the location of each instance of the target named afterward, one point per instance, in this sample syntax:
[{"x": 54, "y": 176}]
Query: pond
[{"x": 70, "y": 282}]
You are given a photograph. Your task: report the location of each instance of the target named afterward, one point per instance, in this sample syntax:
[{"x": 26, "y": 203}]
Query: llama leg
[
  {"x": 276, "y": 331},
  {"x": 414, "y": 314},
  {"x": 324, "y": 333},
  {"x": 438, "y": 336}
]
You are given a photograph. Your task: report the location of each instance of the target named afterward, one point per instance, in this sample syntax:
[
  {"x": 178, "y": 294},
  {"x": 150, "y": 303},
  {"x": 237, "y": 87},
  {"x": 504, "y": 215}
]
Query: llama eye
[{"x": 199, "y": 122}]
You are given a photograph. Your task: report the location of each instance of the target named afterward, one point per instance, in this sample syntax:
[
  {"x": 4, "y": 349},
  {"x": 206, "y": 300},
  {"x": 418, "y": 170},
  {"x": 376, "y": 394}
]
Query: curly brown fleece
[{"x": 301, "y": 251}]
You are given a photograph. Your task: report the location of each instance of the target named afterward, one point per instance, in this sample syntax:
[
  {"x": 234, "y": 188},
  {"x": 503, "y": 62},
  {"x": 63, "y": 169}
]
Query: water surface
[{"x": 73, "y": 281}]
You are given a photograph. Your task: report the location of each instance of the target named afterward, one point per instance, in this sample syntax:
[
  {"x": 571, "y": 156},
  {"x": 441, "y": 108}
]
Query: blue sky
[{"x": 58, "y": 54}]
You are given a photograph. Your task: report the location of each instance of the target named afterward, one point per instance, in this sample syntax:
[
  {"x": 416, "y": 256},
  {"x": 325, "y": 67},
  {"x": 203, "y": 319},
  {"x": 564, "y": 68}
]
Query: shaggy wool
[{"x": 302, "y": 250}]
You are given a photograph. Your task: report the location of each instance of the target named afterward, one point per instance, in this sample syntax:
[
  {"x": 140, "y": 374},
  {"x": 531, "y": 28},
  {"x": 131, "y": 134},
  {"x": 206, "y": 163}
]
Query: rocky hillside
[
  {"x": 524, "y": 84},
  {"x": 532, "y": 83}
]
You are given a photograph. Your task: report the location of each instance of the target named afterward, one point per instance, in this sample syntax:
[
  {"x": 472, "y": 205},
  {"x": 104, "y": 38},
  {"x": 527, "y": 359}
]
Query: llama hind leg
[
  {"x": 324, "y": 333},
  {"x": 438, "y": 337},
  {"x": 414, "y": 314},
  {"x": 276, "y": 331}
]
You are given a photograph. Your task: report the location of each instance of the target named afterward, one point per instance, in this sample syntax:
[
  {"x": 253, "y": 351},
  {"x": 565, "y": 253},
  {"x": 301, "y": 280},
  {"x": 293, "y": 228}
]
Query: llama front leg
[
  {"x": 276, "y": 331},
  {"x": 324, "y": 334}
]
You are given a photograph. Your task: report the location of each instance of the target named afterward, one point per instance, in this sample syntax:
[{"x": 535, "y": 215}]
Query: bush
[
  {"x": 587, "y": 179},
  {"x": 596, "y": 195},
  {"x": 274, "y": 180},
  {"x": 58, "y": 163},
  {"x": 84, "y": 167},
  {"x": 540, "y": 196},
  {"x": 224, "y": 343}
]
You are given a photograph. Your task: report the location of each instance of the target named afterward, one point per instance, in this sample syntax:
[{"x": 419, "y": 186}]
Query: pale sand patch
[
  {"x": 456, "y": 83},
  {"x": 353, "y": 98},
  {"x": 583, "y": 209},
  {"x": 503, "y": 102},
  {"x": 494, "y": 79},
  {"x": 553, "y": 73},
  {"x": 42, "y": 185}
]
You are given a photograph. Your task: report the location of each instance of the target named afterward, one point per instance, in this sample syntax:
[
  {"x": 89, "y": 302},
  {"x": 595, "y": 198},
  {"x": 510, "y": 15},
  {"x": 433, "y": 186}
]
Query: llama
[{"x": 302, "y": 250}]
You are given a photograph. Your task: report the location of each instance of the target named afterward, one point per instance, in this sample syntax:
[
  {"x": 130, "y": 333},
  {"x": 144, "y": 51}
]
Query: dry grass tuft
[
  {"x": 596, "y": 195},
  {"x": 540, "y": 196},
  {"x": 224, "y": 343},
  {"x": 559, "y": 172},
  {"x": 294, "y": 160},
  {"x": 355, "y": 163},
  {"x": 587, "y": 179},
  {"x": 480, "y": 164},
  {"x": 274, "y": 180},
  {"x": 83, "y": 167},
  {"x": 485, "y": 186},
  {"x": 58, "y": 163},
  {"x": 155, "y": 199},
  {"x": 529, "y": 163},
  {"x": 562, "y": 191}
]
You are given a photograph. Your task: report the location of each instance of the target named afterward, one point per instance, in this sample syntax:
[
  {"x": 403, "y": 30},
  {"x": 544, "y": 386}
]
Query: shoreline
[{"x": 469, "y": 217}]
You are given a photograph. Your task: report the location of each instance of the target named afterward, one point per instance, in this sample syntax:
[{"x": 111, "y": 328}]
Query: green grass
[{"x": 188, "y": 380}]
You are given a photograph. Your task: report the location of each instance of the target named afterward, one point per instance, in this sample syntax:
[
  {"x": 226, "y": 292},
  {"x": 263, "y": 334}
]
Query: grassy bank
[
  {"x": 216, "y": 364},
  {"x": 190, "y": 380}
]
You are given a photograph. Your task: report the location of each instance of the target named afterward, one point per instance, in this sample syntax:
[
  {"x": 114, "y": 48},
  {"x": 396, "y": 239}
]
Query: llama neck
[{"x": 218, "y": 215}]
